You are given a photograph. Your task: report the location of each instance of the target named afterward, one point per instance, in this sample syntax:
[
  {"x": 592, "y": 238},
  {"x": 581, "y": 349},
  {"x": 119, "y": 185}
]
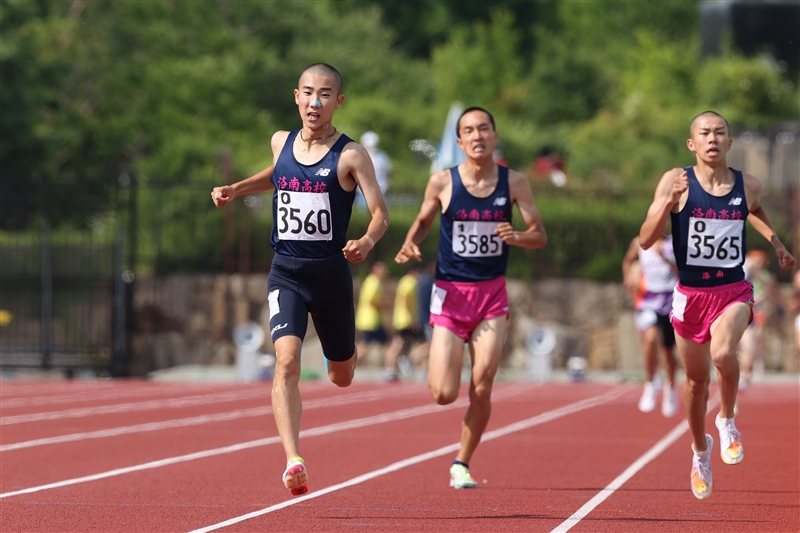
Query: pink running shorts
[
  {"x": 461, "y": 305},
  {"x": 694, "y": 309}
]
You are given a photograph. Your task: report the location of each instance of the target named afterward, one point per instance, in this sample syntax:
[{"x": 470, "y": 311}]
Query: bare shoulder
[
  {"x": 672, "y": 173},
  {"x": 516, "y": 179},
  {"x": 752, "y": 183},
  {"x": 665, "y": 183},
  {"x": 440, "y": 180},
  {"x": 354, "y": 152},
  {"x": 278, "y": 140}
]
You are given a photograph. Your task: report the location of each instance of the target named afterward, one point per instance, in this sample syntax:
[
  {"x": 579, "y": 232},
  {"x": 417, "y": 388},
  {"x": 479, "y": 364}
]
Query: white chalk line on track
[
  {"x": 411, "y": 461},
  {"x": 629, "y": 472},
  {"x": 322, "y": 430},
  {"x": 313, "y": 403},
  {"x": 148, "y": 405},
  {"x": 102, "y": 393}
]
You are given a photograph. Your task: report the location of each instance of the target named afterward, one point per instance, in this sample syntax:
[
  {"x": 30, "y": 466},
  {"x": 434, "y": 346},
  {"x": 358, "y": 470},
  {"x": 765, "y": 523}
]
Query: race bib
[
  {"x": 714, "y": 242},
  {"x": 476, "y": 239},
  {"x": 304, "y": 216}
]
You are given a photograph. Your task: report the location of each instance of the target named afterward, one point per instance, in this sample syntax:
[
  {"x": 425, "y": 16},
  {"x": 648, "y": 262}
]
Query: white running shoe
[
  {"x": 730, "y": 441},
  {"x": 669, "y": 400},
  {"x": 648, "y": 400},
  {"x": 460, "y": 478},
  {"x": 295, "y": 477},
  {"x": 701, "y": 471}
]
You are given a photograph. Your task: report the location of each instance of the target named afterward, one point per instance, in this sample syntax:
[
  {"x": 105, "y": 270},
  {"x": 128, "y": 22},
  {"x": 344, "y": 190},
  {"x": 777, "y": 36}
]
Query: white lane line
[
  {"x": 148, "y": 405},
  {"x": 313, "y": 403},
  {"x": 629, "y": 472},
  {"x": 104, "y": 394},
  {"x": 322, "y": 430},
  {"x": 394, "y": 467}
]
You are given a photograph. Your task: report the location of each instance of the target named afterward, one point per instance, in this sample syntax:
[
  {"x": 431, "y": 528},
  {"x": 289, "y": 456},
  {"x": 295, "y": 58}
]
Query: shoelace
[{"x": 699, "y": 468}]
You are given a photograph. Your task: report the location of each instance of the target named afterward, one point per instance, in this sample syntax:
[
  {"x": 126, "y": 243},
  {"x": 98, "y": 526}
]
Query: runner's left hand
[{"x": 356, "y": 251}]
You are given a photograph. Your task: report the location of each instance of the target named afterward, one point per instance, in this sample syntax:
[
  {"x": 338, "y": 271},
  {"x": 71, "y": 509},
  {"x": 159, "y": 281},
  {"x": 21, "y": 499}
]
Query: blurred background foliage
[{"x": 161, "y": 87}]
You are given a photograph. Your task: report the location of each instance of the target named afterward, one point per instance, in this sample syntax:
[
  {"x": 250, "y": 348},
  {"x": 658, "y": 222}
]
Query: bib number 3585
[
  {"x": 714, "y": 242},
  {"x": 476, "y": 239},
  {"x": 304, "y": 216}
]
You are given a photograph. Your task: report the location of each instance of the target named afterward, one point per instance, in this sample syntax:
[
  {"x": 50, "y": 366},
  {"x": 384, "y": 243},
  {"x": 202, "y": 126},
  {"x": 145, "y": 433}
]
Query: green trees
[{"x": 90, "y": 87}]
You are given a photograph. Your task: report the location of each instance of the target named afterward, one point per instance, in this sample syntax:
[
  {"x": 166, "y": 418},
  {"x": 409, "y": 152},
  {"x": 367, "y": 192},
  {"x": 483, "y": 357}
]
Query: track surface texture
[{"x": 119, "y": 456}]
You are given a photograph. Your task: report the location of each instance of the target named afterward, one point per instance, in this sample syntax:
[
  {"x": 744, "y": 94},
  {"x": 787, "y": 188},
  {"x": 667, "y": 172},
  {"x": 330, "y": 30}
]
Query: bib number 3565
[
  {"x": 714, "y": 242},
  {"x": 304, "y": 216}
]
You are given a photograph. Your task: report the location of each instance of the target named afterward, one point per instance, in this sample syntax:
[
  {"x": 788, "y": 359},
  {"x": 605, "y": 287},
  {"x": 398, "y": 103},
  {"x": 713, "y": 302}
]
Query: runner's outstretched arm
[
  {"x": 760, "y": 222},
  {"x": 431, "y": 204},
  {"x": 254, "y": 184}
]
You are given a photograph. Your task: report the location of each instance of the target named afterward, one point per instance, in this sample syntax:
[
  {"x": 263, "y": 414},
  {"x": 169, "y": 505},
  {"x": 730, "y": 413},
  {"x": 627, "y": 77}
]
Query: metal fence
[{"x": 62, "y": 300}]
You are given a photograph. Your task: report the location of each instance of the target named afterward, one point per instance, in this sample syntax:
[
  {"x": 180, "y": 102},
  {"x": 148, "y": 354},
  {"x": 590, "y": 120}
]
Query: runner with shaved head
[
  {"x": 712, "y": 305},
  {"x": 315, "y": 172}
]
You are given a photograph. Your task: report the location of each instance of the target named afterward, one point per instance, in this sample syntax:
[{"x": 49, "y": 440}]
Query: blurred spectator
[
  {"x": 766, "y": 304},
  {"x": 550, "y": 166},
  {"x": 796, "y": 307},
  {"x": 497, "y": 155},
  {"x": 381, "y": 162},
  {"x": 419, "y": 354},
  {"x": 406, "y": 327},
  {"x": 369, "y": 324}
]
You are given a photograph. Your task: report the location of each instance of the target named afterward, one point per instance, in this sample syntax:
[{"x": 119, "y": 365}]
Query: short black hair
[
  {"x": 324, "y": 69},
  {"x": 708, "y": 112},
  {"x": 469, "y": 110}
]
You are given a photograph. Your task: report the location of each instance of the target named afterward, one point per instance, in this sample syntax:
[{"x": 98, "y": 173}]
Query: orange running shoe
[
  {"x": 701, "y": 471},
  {"x": 730, "y": 441}
]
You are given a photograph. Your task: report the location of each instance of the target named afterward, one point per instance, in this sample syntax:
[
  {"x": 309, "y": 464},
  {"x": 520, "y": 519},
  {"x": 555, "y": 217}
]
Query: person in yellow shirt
[
  {"x": 369, "y": 324},
  {"x": 405, "y": 324}
]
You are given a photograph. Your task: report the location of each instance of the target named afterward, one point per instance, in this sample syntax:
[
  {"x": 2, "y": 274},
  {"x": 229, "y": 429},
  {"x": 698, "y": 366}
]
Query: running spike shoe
[
  {"x": 295, "y": 477},
  {"x": 460, "y": 478},
  {"x": 701, "y": 471},
  {"x": 730, "y": 441}
]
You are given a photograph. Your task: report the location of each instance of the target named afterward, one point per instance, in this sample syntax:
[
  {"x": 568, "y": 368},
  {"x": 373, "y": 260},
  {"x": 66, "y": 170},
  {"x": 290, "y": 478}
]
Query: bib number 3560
[
  {"x": 714, "y": 242},
  {"x": 304, "y": 216}
]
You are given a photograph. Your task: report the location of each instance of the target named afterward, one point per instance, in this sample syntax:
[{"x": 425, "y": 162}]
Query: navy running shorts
[{"x": 321, "y": 287}]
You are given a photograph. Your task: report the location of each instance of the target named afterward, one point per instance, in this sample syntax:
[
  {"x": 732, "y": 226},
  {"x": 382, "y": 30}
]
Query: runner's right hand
[{"x": 222, "y": 195}]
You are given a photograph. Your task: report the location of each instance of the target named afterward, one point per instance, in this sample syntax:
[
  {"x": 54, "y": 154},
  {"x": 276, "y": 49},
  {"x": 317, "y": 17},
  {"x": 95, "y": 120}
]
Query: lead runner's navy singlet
[
  {"x": 709, "y": 235},
  {"x": 310, "y": 209},
  {"x": 469, "y": 250}
]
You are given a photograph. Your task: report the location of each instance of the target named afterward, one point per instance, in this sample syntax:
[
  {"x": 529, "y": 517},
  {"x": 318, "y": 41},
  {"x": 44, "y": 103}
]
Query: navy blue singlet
[
  {"x": 709, "y": 235},
  {"x": 469, "y": 250},
  {"x": 310, "y": 209}
]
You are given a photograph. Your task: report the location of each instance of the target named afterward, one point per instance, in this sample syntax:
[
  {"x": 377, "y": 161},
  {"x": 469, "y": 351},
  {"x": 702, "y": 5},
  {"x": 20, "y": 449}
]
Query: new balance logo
[
  {"x": 323, "y": 172},
  {"x": 736, "y": 201},
  {"x": 500, "y": 201}
]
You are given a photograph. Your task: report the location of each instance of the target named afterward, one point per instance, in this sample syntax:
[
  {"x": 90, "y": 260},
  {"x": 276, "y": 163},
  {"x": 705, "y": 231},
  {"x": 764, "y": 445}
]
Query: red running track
[{"x": 147, "y": 456}]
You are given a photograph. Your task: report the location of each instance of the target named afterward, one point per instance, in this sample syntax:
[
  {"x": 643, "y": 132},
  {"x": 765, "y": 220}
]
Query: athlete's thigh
[
  {"x": 486, "y": 347},
  {"x": 728, "y": 328},
  {"x": 333, "y": 312},
  {"x": 288, "y": 314},
  {"x": 695, "y": 358},
  {"x": 445, "y": 359}
]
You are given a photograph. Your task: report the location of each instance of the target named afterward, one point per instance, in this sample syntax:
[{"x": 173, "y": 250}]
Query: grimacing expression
[{"x": 477, "y": 136}]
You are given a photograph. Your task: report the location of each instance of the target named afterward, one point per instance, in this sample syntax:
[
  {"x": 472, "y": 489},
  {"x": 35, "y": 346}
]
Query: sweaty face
[
  {"x": 316, "y": 98},
  {"x": 476, "y": 135}
]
